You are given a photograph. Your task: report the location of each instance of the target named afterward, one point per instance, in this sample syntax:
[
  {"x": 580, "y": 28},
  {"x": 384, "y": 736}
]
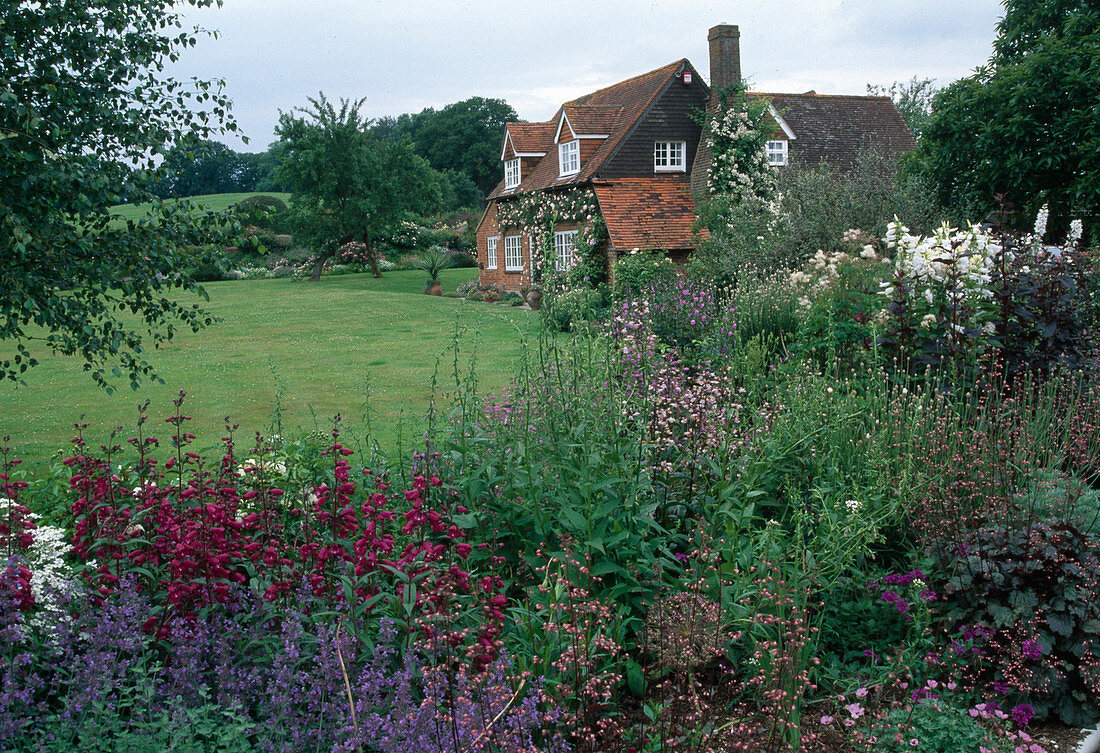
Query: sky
[{"x": 403, "y": 56}]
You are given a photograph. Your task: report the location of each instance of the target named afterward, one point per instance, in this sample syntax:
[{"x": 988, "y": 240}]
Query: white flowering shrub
[
  {"x": 960, "y": 294},
  {"x": 736, "y": 136},
  {"x": 947, "y": 276}
]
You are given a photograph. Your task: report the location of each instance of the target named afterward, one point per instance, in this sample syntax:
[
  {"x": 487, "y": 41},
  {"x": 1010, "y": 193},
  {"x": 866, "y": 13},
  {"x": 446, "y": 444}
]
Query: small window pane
[
  {"x": 565, "y": 245},
  {"x": 491, "y": 252}
]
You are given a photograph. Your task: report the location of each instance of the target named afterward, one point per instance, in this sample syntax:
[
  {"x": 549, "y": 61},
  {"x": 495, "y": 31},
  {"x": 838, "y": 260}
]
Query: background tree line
[{"x": 460, "y": 142}]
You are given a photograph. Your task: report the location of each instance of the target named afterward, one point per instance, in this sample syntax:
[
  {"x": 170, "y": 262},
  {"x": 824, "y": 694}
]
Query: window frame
[
  {"x": 664, "y": 162},
  {"x": 569, "y": 151},
  {"x": 513, "y": 247},
  {"x": 491, "y": 251},
  {"x": 513, "y": 173},
  {"x": 777, "y": 157},
  {"x": 564, "y": 254}
]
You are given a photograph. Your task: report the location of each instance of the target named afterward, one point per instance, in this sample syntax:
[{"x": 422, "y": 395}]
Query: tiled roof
[
  {"x": 835, "y": 128},
  {"x": 647, "y": 213},
  {"x": 531, "y": 138},
  {"x": 593, "y": 120},
  {"x": 613, "y": 111}
]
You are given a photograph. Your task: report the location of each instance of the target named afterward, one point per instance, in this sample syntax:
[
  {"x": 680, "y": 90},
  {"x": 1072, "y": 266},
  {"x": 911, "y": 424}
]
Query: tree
[
  {"x": 347, "y": 184},
  {"x": 85, "y": 108},
  {"x": 913, "y": 99},
  {"x": 205, "y": 167},
  {"x": 1024, "y": 128},
  {"x": 463, "y": 137}
]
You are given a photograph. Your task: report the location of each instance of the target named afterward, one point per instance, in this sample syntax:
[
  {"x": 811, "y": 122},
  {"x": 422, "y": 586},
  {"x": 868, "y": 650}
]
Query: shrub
[
  {"x": 204, "y": 263},
  {"x": 461, "y": 259},
  {"x": 821, "y": 203},
  {"x": 270, "y": 203},
  {"x": 957, "y": 295},
  {"x": 839, "y": 294},
  {"x": 639, "y": 270},
  {"x": 1037, "y": 588},
  {"x": 267, "y": 212},
  {"x": 473, "y": 290},
  {"x": 565, "y": 310}
]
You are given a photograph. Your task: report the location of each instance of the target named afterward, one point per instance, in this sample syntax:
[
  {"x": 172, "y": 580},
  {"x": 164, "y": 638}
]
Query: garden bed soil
[{"x": 1058, "y": 738}]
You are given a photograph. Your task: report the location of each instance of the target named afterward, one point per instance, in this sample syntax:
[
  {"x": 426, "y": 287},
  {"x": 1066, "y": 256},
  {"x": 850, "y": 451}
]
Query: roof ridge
[
  {"x": 816, "y": 94},
  {"x": 623, "y": 82}
]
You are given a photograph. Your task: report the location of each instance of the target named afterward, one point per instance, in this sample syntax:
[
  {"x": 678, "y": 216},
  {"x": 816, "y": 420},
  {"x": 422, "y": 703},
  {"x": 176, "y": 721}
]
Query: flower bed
[{"x": 708, "y": 523}]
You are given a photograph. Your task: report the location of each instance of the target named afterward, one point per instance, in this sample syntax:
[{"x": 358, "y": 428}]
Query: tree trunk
[
  {"x": 328, "y": 253},
  {"x": 372, "y": 256}
]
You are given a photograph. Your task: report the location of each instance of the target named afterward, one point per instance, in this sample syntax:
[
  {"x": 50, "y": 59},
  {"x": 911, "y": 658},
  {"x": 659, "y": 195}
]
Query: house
[{"x": 621, "y": 168}]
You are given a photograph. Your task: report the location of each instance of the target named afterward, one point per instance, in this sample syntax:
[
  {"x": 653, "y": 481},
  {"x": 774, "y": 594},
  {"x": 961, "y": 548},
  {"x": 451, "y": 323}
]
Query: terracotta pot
[
  {"x": 435, "y": 289},
  {"x": 534, "y": 299}
]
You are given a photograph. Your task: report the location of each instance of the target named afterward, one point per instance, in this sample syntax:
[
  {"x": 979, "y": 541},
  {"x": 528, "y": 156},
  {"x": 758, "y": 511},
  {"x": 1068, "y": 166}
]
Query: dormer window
[
  {"x": 668, "y": 156},
  {"x": 569, "y": 158},
  {"x": 511, "y": 173},
  {"x": 777, "y": 152}
]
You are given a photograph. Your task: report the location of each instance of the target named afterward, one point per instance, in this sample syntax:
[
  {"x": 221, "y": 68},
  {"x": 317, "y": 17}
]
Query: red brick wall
[{"x": 504, "y": 280}]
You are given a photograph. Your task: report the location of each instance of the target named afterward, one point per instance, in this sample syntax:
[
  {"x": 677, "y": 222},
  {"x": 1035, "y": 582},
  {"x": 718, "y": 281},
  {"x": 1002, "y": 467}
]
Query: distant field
[
  {"x": 216, "y": 202},
  {"x": 348, "y": 344}
]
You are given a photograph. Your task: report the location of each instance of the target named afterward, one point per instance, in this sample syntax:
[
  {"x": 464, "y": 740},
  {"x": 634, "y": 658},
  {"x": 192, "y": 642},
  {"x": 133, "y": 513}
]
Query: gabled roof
[
  {"x": 588, "y": 120},
  {"x": 647, "y": 213},
  {"x": 837, "y": 127},
  {"x": 612, "y": 112},
  {"x": 528, "y": 138}
]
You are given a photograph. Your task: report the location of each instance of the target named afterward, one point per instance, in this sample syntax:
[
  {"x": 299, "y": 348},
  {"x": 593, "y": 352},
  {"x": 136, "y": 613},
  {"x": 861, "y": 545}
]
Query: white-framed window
[
  {"x": 777, "y": 152},
  {"x": 569, "y": 158},
  {"x": 513, "y": 254},
  {"x": 669, "y": 156},
  {"x": 491, "y": 252},
  {"x": 511, "y": 173},
  {"x": 565, "y": 244}
]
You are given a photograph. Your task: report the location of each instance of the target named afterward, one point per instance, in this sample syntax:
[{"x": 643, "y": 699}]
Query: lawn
[
  {"x": 350, "y": 344},
  {"x": 217, "y": 202}
]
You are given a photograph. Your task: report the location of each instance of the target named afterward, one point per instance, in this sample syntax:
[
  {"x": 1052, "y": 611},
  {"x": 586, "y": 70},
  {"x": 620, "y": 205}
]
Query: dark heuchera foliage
[
  {"x": 1045, "y": 309},
  {"x": 1038, "y": 589}
]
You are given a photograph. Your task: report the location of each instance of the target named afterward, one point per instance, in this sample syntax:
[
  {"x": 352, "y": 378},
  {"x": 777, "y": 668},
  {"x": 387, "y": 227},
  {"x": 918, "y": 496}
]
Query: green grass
[
  {"x": 349, "y": 344},
  {"x": 215, "y": 201}
]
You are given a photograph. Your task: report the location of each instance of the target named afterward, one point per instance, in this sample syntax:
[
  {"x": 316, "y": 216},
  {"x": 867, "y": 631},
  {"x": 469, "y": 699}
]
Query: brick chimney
[
  {"x": 725, "y": 70},
  {"x": 725, "y": 56}
]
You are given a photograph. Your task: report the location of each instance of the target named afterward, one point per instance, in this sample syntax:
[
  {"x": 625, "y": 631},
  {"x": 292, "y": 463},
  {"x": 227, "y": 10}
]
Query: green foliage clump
[
  {"x": 936, "y": 725},
  {"x": 817, "y": 205},
  {"x": 264, "y": 203},
  {"x": 433, "y": 261},
  {"x": 566, "y": 310},
  {"x": 842, "y": 319},
  {"x": 638, "y": 271}
]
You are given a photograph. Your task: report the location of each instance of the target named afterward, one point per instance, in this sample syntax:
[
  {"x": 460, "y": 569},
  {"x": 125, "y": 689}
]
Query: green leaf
[
  {"x": 635, "y": 678},
  {"x": 1060, "y": 623}
]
